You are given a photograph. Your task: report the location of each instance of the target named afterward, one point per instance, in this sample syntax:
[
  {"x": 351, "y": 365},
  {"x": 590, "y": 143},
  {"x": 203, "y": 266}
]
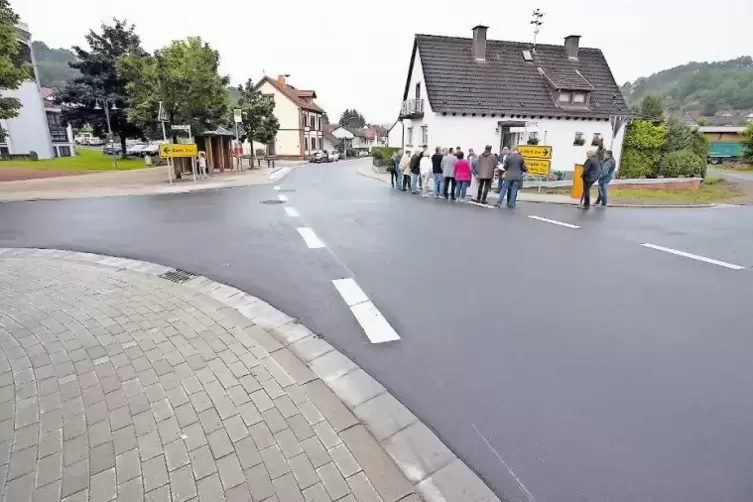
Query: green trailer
[{"x": 724, "y": 151}]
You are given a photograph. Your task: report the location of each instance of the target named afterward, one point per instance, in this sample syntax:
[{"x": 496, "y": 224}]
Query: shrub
[
  {"x": 681, "y": 163},
  {"x": 636, "y": 163},
  {"x": 383, "y": 152},
  {"x": 644, "y": 134}
]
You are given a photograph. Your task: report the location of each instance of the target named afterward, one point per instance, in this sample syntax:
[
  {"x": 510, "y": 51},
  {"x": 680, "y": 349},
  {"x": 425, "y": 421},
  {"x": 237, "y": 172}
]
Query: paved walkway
[
  {"x": 118, "y": 383},
  {"x": 137, "y": 182}
]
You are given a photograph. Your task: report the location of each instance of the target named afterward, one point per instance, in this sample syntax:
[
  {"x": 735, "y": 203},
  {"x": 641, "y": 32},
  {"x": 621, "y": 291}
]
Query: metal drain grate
[
  {"x": 177, "y": 275},
  {"x": 273, "y": 202}
]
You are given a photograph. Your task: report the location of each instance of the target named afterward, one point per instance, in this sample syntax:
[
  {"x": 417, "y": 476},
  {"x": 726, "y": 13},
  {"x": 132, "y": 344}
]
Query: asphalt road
[{"x": 563, "y": 364}]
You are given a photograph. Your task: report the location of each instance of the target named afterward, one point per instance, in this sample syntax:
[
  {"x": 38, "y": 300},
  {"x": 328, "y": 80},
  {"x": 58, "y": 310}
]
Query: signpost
[
  {"x": 535, "y": 151},
  {"x": 162, "y": 117},
  {"x": 238, "y": 118},
  {"x": 176, "y": 150},
  {"x": 187, "y": 128},
  {"x": 538, "y": 166}
]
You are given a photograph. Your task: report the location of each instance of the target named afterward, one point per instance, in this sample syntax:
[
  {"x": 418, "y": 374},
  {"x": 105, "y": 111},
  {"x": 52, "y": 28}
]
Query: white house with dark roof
[{"x": 472, "y": 92}]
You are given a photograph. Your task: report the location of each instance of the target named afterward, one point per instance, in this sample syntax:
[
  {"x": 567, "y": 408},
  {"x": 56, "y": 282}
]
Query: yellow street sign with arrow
[
  {"x": 535, "y": 151},
  {"x": 178, "y": 150}
]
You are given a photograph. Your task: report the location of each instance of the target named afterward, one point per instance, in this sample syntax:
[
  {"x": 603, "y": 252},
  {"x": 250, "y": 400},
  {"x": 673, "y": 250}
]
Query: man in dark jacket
[
  {"x": 415, "y": 171},
  {"x": 485, "y": 166},
  {"x": 436, "y": 170},
  {"x": 591, "y": 170},
  {"x": 605, "y": 176},
  {"x": 514, "y": 167}
]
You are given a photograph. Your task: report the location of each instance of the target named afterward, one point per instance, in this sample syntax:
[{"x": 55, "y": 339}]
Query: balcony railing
[{"x": 412, "y": 108}]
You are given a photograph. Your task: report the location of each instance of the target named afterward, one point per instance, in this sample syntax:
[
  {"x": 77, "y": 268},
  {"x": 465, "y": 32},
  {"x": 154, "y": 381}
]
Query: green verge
[{"x": 88, "y": 159}]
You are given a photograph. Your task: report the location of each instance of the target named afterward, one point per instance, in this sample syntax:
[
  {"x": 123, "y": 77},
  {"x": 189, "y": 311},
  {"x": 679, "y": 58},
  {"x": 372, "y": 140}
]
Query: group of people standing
[
  {"x": 452, "y": 173},
  {"x": 598, "y": 172}
]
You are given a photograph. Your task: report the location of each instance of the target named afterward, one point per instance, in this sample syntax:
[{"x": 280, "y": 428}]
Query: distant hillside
[
  {"x": 52, "y": 65},
  {"x": 705, "y": 87}
]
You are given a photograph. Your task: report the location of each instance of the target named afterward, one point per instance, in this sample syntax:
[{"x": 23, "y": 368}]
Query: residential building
[
  {"x": 37, "y": 128},
  {"x": 336, "y": 137},
  {"x": 474, "y": 92},
  {"x": 301, "y": 120},
  {"x": 61, "y": 134},
  {"x": 723, "y": 133}
]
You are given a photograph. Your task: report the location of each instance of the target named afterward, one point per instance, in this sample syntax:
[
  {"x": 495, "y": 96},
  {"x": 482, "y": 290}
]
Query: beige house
[{"x": 301, "y": 120}]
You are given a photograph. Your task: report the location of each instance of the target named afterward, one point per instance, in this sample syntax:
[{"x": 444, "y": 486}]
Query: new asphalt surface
[{"x": 561, "y": 364}]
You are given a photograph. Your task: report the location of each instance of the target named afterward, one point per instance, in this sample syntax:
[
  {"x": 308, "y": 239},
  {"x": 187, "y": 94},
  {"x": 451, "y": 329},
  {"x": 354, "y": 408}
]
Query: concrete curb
[{"x": 354, "y": 399}]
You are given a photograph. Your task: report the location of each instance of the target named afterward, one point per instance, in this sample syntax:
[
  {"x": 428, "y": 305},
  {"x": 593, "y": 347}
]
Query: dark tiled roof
[{"x": 506, "y": 83}]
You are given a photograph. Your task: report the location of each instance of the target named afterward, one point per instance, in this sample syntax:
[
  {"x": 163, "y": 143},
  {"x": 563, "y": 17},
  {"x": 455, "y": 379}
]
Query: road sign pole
[
  {"x": 169, "y": 161},
  {"x": 193, "y": 159}
]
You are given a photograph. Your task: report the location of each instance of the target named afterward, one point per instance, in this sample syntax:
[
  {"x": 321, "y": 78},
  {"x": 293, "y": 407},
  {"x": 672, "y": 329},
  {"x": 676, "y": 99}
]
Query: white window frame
[
  {"x": 567, "y": 95},
  {"x": 424, "y": 135},
  {"x": 579, "y": 98},
  {"x": 409, "y": 141}
]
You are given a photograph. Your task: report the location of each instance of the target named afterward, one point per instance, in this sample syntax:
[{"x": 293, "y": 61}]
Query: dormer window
[{"x": 573, "y": 98}]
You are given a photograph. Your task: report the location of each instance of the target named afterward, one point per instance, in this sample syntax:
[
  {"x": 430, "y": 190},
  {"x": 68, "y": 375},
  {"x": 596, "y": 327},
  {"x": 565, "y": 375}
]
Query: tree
[
  {"x": 259, "y": 121},
  {"x": 702, "y": 121},
  {"x": 748, "y": 144},
  {"x": 352, "y": 119},
  {"x": 652, "y": 107},
  {"x": 98, "y": 83},
  {"x": 14, "y": 67},
  {"x": 184, "y": 77},
  {"x": 52, "y": 65}
]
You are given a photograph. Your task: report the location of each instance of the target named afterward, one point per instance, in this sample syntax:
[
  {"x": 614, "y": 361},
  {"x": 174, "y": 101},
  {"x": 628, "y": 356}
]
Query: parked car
[
  {"x": 134, "y": 150},
  {"x": 95, "y": 141},
  {"x": 151, "y": 150},
  {"x": 334, "y": 156},
  {"x": 112, "y": 149},
  {"x": 318, "y": 157}
]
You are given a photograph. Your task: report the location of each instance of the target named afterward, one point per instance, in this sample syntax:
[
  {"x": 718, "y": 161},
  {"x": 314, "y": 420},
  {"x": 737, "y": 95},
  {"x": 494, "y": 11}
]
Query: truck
[{"x": 724, "y": 151}]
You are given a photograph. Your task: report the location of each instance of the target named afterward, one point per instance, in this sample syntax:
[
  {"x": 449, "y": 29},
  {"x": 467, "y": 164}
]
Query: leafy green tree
[
  {"x": 98, "y": 83},
  {"x": 652, "y": 107},
  {"x": 14, "y": 68},
  {"x": 702, "y": 121},
  {"x": 185, "y": 77},
  {"x": 642, "y": 149},
  {"x": 259, "y": 121},
  {"x": 352, "y": 118},
  {"x": 748, "y": 144},
  {"x": 52, "y": 65}
]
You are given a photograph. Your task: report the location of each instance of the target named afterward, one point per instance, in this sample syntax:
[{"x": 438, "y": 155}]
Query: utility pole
[{"x": 536, "y": 22}]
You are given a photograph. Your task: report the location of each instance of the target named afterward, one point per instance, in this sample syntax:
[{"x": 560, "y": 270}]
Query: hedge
[
  {"x": 383, "y": 152},
  {"x": 681, "y": 163},
  {"x": 642, "y": 149}
]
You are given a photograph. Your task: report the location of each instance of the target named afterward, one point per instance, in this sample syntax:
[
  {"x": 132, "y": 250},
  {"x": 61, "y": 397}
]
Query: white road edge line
[
  {"x": 282, "y": 197},
  {"x": 499, "y": 457},
  {"x": 310, "y": 237},
  {"x": 376, "y": 327},
  {"x": 554, "y": 222},
  {"x": 278, "y": 188},
  {"x": 292, "y": 212},
  {"x": 693, "y": 256}
]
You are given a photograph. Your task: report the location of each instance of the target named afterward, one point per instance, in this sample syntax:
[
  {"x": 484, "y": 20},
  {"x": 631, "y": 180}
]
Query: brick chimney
[
  {"x": 478, "y": 49},
  {"x": 281, "y": 80},
  {"x": 571, "y": 46}
]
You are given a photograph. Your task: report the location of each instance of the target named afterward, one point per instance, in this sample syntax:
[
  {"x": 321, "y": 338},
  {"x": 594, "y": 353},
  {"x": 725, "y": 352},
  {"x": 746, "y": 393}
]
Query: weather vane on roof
[{"x": 536, "y": 22}]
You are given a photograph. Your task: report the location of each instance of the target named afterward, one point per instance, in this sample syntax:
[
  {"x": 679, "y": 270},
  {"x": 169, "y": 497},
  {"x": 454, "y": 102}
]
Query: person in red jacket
[{"x": 462, "y": 175}]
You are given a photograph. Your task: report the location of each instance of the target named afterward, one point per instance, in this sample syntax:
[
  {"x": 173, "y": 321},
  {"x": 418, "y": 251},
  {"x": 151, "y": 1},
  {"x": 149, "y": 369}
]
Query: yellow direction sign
[
  {"x": 538, "y": 166},
  {"x": 175, "y": 150},
  {"x": 535, "y": 151}
]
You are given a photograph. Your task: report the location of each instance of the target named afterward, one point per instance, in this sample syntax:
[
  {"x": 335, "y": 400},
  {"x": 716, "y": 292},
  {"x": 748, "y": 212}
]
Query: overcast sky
[{"x": 356, "y": 54}]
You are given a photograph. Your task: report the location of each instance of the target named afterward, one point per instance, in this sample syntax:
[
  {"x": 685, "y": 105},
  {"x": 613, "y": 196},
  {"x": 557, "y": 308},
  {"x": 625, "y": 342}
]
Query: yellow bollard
[{"x": 577, "y": 182}]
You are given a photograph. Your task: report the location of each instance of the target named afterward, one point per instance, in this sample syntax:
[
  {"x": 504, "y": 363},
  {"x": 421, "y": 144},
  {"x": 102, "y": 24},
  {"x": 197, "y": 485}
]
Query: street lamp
[{"x": 114, "y": 108}]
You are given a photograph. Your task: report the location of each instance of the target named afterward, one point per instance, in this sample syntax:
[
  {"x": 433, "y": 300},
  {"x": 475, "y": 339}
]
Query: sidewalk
[
  {"x": 146, "y": 181},
  {"x": 128, "y": 380},
  {"x": 367, "y": 171}
]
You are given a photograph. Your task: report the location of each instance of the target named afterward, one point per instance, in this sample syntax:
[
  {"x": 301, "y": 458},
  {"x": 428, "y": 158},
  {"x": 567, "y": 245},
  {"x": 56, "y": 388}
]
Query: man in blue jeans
[
  {"x": 415, "y": 171},
  {"x": 514, "y": 167},
  {"x": 436, "y": 169},
  {"x": 605, "y": 176}
]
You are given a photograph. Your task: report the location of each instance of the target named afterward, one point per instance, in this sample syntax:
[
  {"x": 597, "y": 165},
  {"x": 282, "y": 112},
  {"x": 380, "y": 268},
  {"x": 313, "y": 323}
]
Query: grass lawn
[
  {"x": 88, "y": 159},
  {"x": 713, "y": 189}
]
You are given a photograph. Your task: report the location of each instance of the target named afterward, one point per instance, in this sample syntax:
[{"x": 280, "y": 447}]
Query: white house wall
[
  {"x": 288, "y": 139},
  {"x": 417, "y": 76},
  {"x": 395, "y": 136},
  {"x": 29, "y": 131}
]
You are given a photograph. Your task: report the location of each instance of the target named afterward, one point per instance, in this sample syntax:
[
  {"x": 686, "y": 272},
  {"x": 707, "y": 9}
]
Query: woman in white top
[{"x": 426, "y": 167}]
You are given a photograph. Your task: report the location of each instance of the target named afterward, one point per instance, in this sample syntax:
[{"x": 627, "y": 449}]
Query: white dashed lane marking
[
  {"x": 554, "y": 222},
  {"x": 376, "y": 327},
  {"x": 693, "y": 256},
  {"x": 312, "y": 241},
  {"x": 282, "y": 197},
  {"x": 292, "y": 212}
]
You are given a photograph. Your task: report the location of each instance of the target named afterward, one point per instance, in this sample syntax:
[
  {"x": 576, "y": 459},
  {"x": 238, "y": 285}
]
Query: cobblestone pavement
[{"x": 116, "y": 384}]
